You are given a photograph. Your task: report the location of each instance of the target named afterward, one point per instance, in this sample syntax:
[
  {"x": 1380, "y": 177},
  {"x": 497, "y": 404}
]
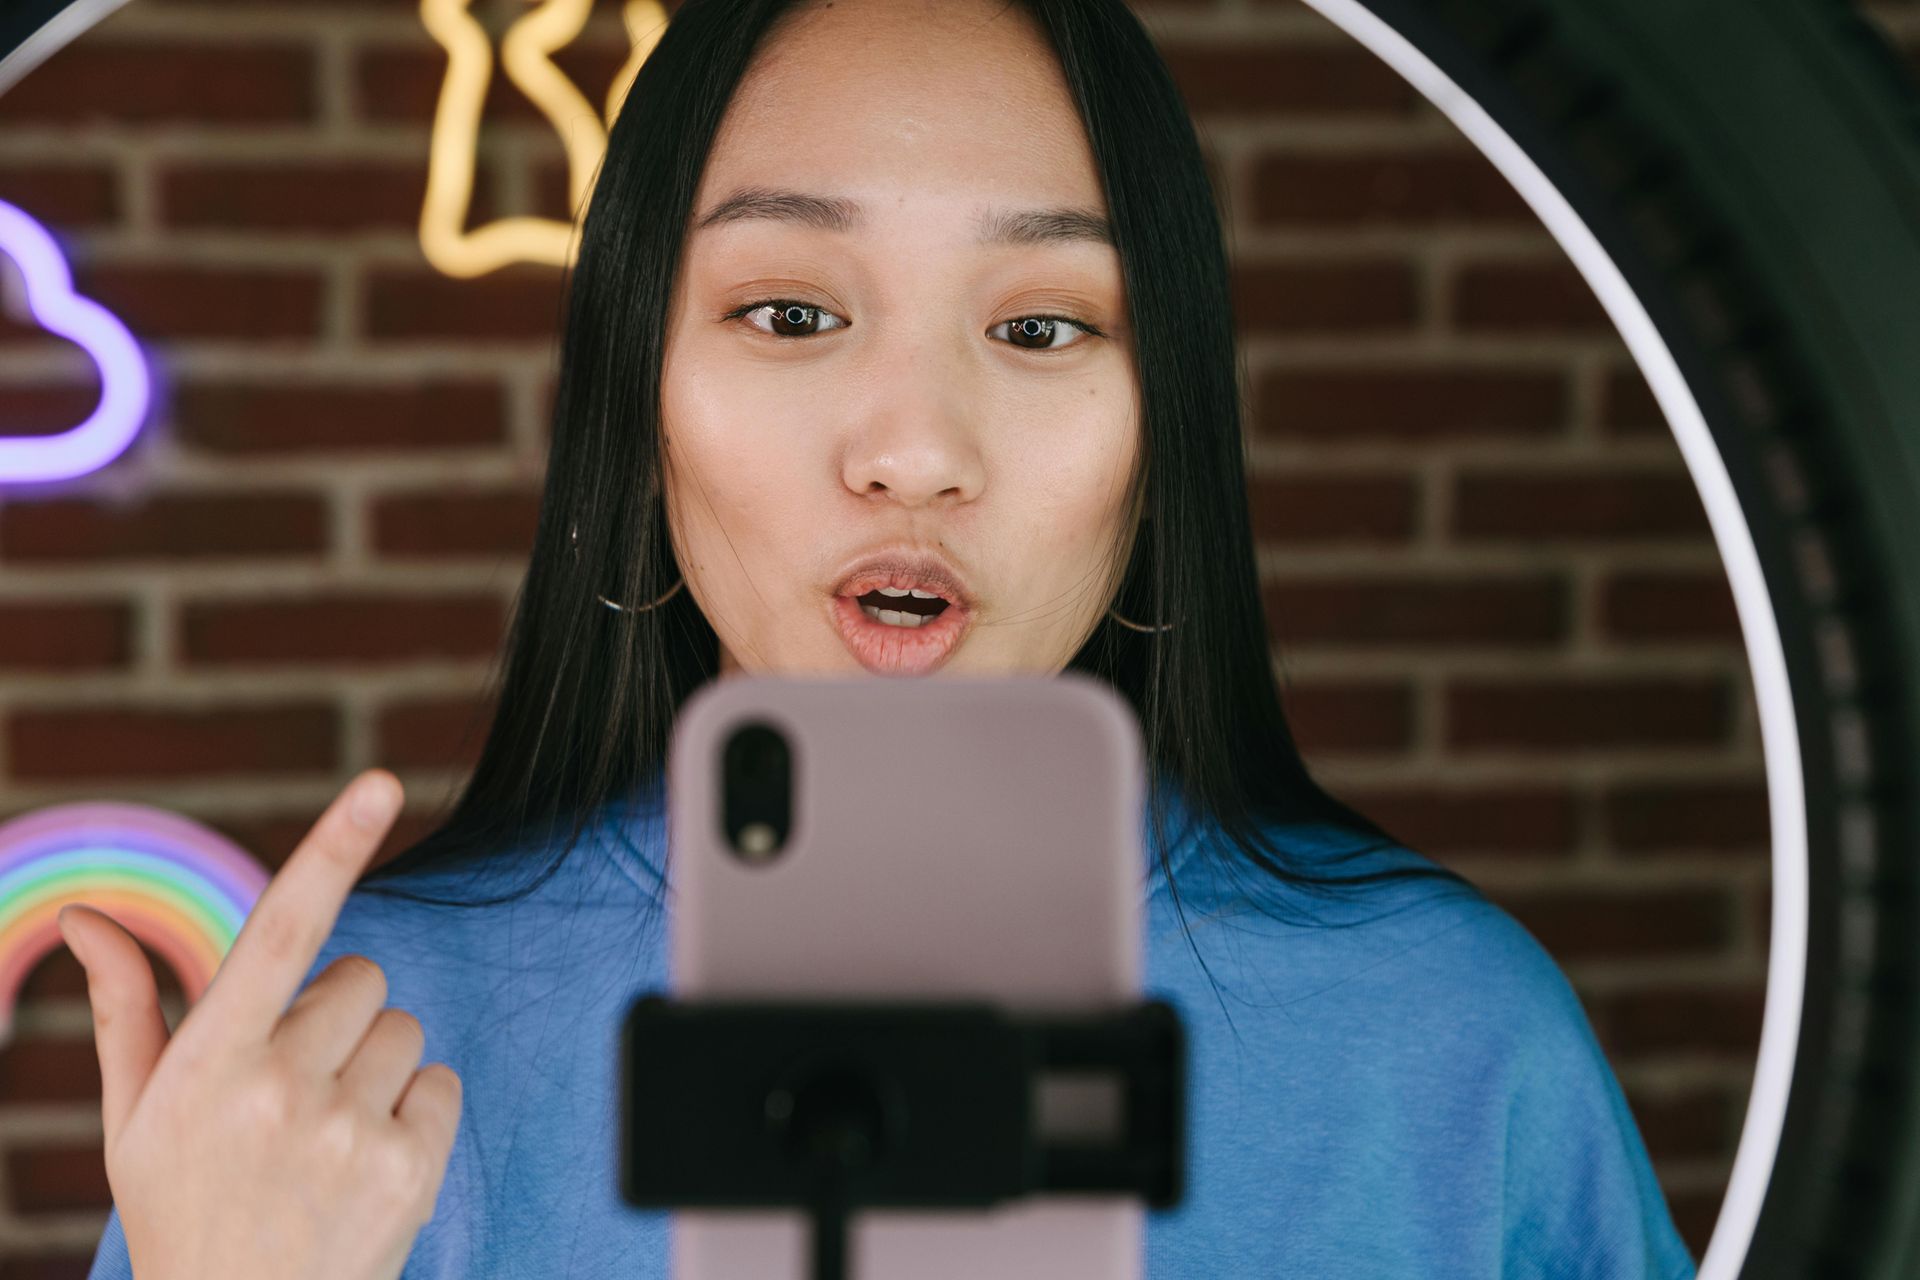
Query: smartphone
[{"x": 874, "y": 838}]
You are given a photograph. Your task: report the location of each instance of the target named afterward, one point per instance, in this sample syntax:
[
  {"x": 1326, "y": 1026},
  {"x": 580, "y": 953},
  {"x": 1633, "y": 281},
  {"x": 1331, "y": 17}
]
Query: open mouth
[
  {"x": 899, "y": 631},
  {"x": 894, "y": 607}
]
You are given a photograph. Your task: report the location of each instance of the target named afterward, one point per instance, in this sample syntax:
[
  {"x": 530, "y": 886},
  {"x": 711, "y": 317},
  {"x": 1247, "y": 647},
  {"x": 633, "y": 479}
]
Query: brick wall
[{"x": 1492, "y": 586}]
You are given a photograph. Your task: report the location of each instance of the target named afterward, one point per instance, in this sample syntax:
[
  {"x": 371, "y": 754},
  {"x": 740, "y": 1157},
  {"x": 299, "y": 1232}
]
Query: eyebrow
[{"x": 836, "y": 213}]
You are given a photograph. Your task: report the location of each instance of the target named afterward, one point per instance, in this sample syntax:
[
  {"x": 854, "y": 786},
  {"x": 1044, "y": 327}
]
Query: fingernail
[{"x": 375, "y": 801}]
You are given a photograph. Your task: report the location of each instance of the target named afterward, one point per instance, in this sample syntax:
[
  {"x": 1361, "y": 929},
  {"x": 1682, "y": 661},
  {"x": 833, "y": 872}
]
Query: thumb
[{"x": 129, "y": 1031}]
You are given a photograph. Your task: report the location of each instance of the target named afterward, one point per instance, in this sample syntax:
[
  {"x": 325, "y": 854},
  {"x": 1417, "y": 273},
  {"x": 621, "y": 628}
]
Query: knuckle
[
  {"x": 281, "y": 934},
  {"x": 273, "y": 1097},
  {"x": 399, "y": 1167},
  {"x": 437, "y": 1089},
  {"x": 359, "y": 970},
  {"x": 339, "y": 1135},
  {"x": 404, "y": 1025}
]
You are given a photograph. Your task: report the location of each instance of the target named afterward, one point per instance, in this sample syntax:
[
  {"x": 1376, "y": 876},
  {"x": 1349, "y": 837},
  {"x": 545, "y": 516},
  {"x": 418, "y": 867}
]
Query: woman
[{"x": 935, "y": 290}]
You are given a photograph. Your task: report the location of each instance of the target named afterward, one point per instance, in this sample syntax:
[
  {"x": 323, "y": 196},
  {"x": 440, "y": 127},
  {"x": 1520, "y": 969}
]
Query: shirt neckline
[{"x": 638, "y": 826}]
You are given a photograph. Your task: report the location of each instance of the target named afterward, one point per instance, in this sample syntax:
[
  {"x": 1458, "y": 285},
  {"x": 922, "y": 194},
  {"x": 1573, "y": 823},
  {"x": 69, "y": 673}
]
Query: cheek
[
  {"x": 732, "y": 477},
  {"x": 1075, "y": 472}
]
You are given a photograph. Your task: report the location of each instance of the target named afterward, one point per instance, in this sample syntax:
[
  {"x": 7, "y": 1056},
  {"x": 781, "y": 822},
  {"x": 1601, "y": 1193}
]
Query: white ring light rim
[
  {"x": 1780, "y": 742},
  {"x": 1779, "y": 736},
  {"x": 58, "y": 30}
]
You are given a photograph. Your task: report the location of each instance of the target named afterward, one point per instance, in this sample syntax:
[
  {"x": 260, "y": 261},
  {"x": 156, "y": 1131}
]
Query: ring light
[{"x": 1686, "y": 157}]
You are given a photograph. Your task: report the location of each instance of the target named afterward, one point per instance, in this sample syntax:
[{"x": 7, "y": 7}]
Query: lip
[
  {"x": 886, "y": 650},
  {"x": 904, "y": 567}
]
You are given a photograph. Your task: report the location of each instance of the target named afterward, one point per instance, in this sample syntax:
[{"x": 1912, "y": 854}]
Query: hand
[{"x": 262, "y": 1141}]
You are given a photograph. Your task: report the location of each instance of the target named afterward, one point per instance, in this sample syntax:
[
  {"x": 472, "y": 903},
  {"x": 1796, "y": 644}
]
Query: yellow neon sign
[{"x": 526, "y": 54}]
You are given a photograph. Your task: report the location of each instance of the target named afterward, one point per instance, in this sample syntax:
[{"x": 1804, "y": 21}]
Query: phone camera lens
[{"x": 756, "y": 792}]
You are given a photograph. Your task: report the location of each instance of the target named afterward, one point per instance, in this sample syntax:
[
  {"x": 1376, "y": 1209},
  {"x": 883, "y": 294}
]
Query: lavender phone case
[{"x": 952, "y": 837}]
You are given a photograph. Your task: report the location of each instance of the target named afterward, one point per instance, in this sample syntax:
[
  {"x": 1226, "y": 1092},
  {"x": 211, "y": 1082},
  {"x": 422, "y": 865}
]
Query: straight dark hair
[{"x": 586, "y": 696}]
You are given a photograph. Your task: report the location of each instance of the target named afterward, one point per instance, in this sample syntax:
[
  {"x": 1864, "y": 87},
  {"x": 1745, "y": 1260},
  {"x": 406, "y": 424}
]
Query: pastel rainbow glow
[{"x": 179, "y": 887}]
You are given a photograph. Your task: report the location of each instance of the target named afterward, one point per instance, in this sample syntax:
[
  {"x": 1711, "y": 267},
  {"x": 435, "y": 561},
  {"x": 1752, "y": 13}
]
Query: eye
[
  {"x": 1044, "y": 333},
  {"x": 786, "y": 318}
]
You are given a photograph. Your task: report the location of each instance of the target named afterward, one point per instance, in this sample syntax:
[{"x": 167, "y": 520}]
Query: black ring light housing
[{"x": 1739, "y": 181}]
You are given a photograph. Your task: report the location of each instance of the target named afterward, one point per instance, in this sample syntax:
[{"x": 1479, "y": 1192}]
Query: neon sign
[
  {"x": 125, "y": 389},
  {"x": 181, "y": 888},
  {"x": 526, "y": 54}
]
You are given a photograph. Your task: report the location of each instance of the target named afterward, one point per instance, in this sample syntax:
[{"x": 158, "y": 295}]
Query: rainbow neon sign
[
  {"x": 125, "y": 389},
  {"x": 178, "y": 887}
]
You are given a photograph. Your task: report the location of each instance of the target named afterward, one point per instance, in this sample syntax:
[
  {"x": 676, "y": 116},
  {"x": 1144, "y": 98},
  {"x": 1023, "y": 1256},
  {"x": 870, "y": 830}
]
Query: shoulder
[
  {"x": 1425, "y": 1001},
  {"x": 449, "y": 930},
  {"x": 1426, "y": 970}
]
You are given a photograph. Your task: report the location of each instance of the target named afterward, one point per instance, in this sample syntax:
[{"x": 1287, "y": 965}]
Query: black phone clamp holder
[{"x": 837, "y": 1106}]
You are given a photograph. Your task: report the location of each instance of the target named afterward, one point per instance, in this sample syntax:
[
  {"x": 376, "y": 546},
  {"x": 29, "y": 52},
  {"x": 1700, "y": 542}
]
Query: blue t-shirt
[{"x": 1417, "y": 1094}]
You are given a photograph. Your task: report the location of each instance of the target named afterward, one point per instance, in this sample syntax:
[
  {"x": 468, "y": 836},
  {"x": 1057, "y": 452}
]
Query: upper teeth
[{"x": 915, "y": 592}]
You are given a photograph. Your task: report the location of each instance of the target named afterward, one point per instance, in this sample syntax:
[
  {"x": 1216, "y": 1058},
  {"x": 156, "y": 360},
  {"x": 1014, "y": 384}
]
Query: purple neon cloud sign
[{"x": 125, "y": 389}]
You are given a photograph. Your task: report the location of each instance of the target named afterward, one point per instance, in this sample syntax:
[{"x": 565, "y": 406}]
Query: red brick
[
  {"x": 1318, "y": 509},
  {"x": 290, "y": 415},
  {"x": 1454, "y": 821},
  {"x": 455, "y": 523},
  {"x": 164, "y": 526},
  {"x": 1593, "y": 502},
  {"x": 1249, "y": 79},
  {"x": 51, "y": 1266},
  {"x": 169, "y": 301},
  {"x": 1595, "y": 712},
  {"x": 1357, "y": 405},
  {"x": 43, "y": 1069},
  {"x": 1403, "y": 187},
  {"x": 1627, "y": 406},
  {"x": 550, "y": 188},
  {"x": 1419, "y": 610},
  {"x": 517, "y": 303},
  {"x": 402, "y": 85},
  {"x": 1339, "y": 296},
  {"x": 1349, "y": 715},
  {"x": 1526, "y": 297},
  {"x": 433, "y": 733},
  {"x": 1696, "y": 1214},
  {"x": 64, "y": 635},
  {"x": 312, "y": 195},
  {"x": 1721, "y": 1020},
  {"x": 19, "y": 331},
  {"x": 120, "y": 743},
  {"x": 251, "y": 82},
  {"x": 55, "y": 1179},
  {"x": 62, "y": 195},
  {"x": 1591, "y": 923},
  {"x": 356, "y": 629},
  {"x": 376, "y": 5},
  {"x": 1662, "y": 606},
  {"x": 1674, "y": 817},
  {"x": 1698, "y": 1123},
  {"x": 46, "y": 410},
  {"x": 59, "y": 976}
]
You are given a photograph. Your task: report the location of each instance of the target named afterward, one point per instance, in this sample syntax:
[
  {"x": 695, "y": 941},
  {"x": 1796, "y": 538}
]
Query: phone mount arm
[{"x": 836, "y": 1106}]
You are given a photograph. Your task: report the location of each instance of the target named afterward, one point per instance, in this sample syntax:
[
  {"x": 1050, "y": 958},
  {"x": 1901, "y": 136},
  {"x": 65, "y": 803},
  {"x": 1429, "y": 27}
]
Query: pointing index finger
[{"x": 295, "y": 913}]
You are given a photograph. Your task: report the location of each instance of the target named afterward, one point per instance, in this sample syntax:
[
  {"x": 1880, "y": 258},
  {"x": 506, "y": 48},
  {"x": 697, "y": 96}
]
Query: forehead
[{"x": 898, "y": 101}]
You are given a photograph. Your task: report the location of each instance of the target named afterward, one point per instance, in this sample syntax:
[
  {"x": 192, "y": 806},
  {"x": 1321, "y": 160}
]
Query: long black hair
[{"x": 586, "y": 696}]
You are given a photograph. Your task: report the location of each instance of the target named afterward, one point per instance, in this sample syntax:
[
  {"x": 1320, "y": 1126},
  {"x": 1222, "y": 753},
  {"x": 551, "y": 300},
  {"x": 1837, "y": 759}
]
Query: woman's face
[{"x": 899, "y": 335}]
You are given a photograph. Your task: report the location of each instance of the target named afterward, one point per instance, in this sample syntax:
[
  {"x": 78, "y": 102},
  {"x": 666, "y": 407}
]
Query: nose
[{"x": 915, "y": 436}]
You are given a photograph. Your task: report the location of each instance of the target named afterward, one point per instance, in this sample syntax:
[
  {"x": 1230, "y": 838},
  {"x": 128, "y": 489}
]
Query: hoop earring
[
  {"x": 1164, "y": 626},
  {"x": 573, "y": 540},
  {"x": 642, "y": 608}
]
